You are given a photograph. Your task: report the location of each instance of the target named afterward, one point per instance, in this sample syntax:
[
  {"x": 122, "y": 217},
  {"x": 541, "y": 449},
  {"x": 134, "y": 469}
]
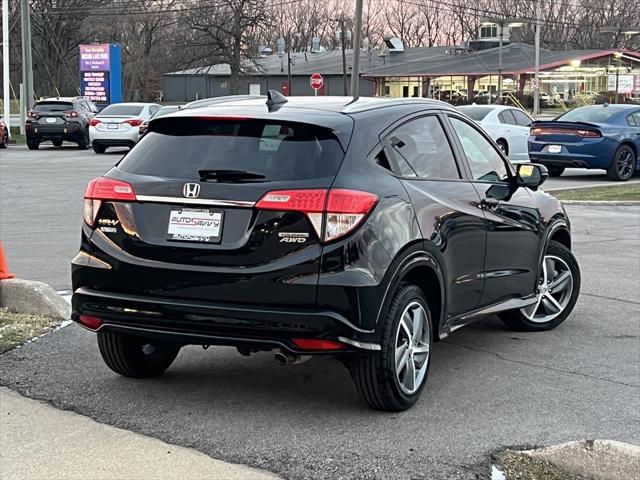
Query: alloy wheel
[
  {"x": 412, "y": 348},
  {"x": 624, "y": 164},
  {"x": 554, "y": 291}
]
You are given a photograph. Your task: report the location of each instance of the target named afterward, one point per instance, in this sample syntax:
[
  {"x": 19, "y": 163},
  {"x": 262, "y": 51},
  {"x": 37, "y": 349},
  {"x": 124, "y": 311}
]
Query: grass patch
[
  {"x": 619, "y": 193},
  {"x": 15, "y": 135},
  {"x": 518, "y": 466},
  {"x": 16, "y": 328}
]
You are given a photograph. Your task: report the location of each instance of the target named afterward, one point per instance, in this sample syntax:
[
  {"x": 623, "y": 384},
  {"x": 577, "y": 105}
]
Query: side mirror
[{"x": 531, "y": 175}]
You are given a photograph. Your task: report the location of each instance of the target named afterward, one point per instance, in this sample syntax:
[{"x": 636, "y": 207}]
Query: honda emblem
[{"x": 191, "y": 190}]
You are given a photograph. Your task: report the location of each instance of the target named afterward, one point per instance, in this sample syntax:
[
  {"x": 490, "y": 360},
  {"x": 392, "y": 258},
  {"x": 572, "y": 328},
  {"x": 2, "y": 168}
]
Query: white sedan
[
  {"x": 118, "y": 125},
  {"x": 508, "y": 126}
]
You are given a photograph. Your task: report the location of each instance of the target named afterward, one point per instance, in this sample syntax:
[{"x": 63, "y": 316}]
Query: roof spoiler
[{"x": 274, "y": 99}]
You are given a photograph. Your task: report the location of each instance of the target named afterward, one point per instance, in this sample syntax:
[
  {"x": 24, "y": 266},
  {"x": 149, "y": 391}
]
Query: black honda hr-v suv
[{"x": 362, "y": 228}]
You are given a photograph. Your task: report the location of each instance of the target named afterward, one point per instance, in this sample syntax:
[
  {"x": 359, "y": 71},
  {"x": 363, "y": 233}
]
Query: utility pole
[
  {"x": 355, "y": 70},
  {"x": 536, "y": 89},
  {"x": 27, "y": 64},
  {"x": 6, "y": 98},
  {"x": 344, "y": 55}
]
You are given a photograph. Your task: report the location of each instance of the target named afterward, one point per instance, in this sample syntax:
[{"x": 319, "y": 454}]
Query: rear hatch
[
  {"x": 119, "y": 118},
  {"x": 194, "y": 229},
  {"x": 52, "y": 113}
]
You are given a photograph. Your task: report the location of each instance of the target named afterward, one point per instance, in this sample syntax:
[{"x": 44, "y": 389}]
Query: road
[
  {"x": 488, "y": 387},
  {"x": 41, "y": 205}
]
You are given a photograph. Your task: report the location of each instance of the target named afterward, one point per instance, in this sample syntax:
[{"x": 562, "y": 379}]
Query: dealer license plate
[
  {"x": 555, "y": 148},
  {"x": 195, "y": 225}
]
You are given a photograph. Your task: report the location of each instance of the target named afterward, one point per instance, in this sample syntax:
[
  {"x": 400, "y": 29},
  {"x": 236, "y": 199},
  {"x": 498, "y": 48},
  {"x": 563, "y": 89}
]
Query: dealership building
[{"x": 421, "y": 72}]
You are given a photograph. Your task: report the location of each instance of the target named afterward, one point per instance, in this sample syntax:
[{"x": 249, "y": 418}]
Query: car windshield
[
  {"x": 590, "y": 114},
  {"x": 476, "y": 113},
  {"x": 180, "y": 147},
  {"x": 121, "y": 110},
  {"x": 165, "y": 111},
  {"x": 53, "y": 106}
]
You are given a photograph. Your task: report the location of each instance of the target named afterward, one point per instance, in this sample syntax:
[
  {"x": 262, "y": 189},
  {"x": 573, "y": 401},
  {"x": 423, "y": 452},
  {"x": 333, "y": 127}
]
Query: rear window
[
  {"x": 178, "y": 148},
  {"x": 590, "y": 114},
  {"x": 121, "y": 110},
  {"x": 53, "y": 106},
  {"x": 476, "y": 113}
]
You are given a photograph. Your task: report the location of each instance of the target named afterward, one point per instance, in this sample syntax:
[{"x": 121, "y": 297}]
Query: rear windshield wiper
[{"x": 229, "y": 175}]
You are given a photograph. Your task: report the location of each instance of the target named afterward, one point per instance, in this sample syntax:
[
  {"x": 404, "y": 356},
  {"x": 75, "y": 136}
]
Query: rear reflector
[
  {"x": 105, "y": 189},
  {"x": 92, "y": 323},
  {"x": 340, "y": 209},
  {"x": 317, "y": 344}
]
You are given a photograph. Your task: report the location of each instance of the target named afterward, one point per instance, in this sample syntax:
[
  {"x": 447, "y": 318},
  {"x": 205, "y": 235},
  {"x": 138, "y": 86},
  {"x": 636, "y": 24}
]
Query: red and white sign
[{"x": 316, "y": 81}]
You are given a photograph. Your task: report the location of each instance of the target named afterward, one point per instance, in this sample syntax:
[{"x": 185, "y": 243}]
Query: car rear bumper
[
  {"x": 566, "y": 161},
  {"x": 204, "y": 323},
  {"x": 68, "y": 131},
  {"x": 126, "y": 138}
]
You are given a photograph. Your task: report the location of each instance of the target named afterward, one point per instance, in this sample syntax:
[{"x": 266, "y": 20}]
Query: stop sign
[{"x": 316, "y": 81}]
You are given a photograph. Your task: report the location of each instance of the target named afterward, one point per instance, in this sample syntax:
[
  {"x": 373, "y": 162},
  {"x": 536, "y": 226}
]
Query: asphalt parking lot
[{"x": 488, "y": 387}]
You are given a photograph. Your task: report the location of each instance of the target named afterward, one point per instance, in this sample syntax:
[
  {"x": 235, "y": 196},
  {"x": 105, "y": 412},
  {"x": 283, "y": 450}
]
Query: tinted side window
[
  {"x": 423, "y": 145},
  {"x": 485, "y": 162},
  {"x": 636, "y": 116},
  {"x": 522, "y": 118},
  {"x": 506, "y": 117}
]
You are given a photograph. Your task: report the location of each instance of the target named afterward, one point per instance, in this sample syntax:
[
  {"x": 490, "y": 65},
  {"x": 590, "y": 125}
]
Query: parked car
[
  {"x": 366, "y": 229},
  {"x": 603, "y": 137},
  {"x": 4, "y": 134},
  {"x": 60, "y": 119},
  {"x": 508, "y": 127},
  {"x": 118, "y": 125},
  {"x": 546, "y": 100},
  {"x": 161, "y": 112}
]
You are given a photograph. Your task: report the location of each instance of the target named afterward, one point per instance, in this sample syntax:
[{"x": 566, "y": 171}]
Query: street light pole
[
  {"x": 355, "y": 70},
  {"x": 499, "y": 97},
  {"x": 618, "y": 65},
  {"x": 6, "y": 99},
  {"x": 536, "y": 75},
  {"x": 27, "y": 65}
]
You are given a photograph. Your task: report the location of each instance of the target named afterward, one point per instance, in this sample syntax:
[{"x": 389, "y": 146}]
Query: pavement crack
[
  {"x": 545, "y": 367},
  {"x": 604, "y": 297}
]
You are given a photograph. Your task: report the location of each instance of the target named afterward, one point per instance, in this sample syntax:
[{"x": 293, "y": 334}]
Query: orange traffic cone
[{"x": 4, "y": 268}]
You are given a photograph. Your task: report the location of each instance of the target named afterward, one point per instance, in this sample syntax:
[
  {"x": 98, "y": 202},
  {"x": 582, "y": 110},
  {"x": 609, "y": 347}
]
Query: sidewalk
[{"x": 38, "y": 441}]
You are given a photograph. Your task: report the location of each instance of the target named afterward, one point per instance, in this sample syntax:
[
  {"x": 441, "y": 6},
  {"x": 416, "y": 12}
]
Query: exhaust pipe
[{"x": 284, "y": 359}]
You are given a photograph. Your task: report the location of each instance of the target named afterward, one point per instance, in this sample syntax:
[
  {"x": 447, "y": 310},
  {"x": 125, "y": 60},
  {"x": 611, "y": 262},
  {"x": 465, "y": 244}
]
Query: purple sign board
[{"x": 94, "y": 58}]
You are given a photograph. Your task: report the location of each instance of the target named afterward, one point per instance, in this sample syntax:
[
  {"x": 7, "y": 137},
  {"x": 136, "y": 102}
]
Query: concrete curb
[
  {"x": 33, "y": 298},
  {"x": 602, "y": 202}
]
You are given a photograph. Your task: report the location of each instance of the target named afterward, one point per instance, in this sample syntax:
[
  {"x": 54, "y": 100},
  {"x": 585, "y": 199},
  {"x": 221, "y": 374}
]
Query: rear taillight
[
  {"x": 103, "y": 189},
  {"x": 32, "y": 114},
  {"x": 134, "y": 122},
  {"x": 95, "y": 121},
  {"x": 535, "y": 131},
  {"x": 589, "y": 133},
  {"x": 340, "y": 210},
  {"x": 71, "y": 114}
]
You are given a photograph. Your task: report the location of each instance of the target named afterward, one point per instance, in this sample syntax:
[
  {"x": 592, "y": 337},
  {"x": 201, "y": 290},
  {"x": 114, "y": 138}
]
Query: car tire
[
  {"x": 623, "y": 164},
  {"x": 32, "y": 144},
  {"x": 504, "y": 146},
  {"x": 136, "y": 357},
  {"x": 555, "y": 171},
  {"x": 557, "y": 292},
  {"x": 57, "y": 143},
  {"x": 84, "y": 142},
  {"x": 99, "y": 148},
  {"x": 378, "y": 380}
]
